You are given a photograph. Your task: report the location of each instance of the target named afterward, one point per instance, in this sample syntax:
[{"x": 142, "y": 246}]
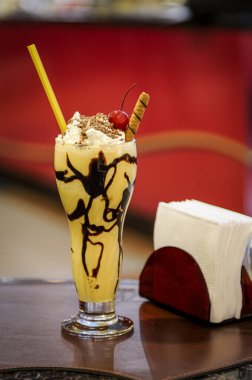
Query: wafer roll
[{"x": 137, "y": 116}]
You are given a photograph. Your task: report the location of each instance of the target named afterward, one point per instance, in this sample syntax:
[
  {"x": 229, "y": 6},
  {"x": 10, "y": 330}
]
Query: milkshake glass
[{"x": 95, "y": 184}]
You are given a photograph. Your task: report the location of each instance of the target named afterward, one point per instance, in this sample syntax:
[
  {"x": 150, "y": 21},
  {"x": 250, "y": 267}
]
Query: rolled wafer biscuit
[{"x": 137, "y": 116}]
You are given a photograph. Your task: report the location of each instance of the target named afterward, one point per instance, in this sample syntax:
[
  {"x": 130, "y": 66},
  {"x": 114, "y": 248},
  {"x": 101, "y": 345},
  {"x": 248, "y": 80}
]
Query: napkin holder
[{"x": 171, "y": 277}]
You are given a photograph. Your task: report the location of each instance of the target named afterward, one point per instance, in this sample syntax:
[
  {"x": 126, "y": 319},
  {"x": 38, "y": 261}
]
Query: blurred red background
[{"x": 198, "y": 79}]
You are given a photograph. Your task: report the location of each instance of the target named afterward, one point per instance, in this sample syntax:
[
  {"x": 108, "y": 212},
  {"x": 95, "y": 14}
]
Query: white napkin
[{"x": 218, "y": 239}]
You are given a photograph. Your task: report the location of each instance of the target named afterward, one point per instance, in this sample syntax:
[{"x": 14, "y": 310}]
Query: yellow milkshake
[
  {"x": 95, "y": 171},
  {"x": 95, "y": 167},
  {"x": 95, "y": 184}
]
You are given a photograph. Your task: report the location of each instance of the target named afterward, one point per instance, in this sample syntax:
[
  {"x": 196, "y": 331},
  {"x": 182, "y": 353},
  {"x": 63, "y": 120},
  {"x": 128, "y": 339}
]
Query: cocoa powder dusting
[{"x": 99, "y": 122}]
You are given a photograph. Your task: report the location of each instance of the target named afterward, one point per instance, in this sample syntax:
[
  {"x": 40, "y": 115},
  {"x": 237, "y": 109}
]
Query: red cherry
[{"x": 119, "y": 119}]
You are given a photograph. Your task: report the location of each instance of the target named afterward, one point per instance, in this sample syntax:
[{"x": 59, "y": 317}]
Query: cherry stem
[{"x": 130, "y": 88}]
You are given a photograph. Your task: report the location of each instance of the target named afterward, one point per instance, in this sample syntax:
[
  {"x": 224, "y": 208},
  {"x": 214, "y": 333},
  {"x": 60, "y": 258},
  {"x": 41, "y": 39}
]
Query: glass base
[{"x": 97, "y": 320}]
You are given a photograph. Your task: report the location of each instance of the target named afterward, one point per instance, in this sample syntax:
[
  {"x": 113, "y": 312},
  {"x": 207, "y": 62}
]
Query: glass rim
[{"x": 93, "y": 146}]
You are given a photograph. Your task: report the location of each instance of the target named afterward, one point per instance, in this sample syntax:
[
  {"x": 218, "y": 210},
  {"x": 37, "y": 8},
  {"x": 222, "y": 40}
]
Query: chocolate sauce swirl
[{"x": 94, "y": 185}]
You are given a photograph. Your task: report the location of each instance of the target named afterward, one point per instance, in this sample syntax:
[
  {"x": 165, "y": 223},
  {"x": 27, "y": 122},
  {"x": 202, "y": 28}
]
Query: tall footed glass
[{"x": 95, "y": 184}]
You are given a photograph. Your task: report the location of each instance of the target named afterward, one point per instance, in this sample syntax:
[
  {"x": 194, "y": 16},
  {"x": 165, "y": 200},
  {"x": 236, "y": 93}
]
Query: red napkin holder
[{"x": 171, "y": 277}]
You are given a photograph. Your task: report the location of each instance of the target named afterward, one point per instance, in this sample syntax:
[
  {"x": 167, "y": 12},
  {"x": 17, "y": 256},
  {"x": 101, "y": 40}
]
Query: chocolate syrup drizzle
[{"x": 94, "y": 185}]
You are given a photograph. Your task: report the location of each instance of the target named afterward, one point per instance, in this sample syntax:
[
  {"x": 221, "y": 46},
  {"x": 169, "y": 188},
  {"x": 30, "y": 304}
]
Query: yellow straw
[{"x": 47, "y": 87}]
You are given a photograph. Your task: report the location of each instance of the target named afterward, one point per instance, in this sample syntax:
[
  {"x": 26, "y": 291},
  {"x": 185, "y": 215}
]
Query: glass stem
[{"x": 95, "y": 314}]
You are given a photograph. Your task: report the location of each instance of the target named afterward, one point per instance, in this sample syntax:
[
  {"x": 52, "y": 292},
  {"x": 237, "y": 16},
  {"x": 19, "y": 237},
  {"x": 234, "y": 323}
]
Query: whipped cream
[{"x": 91, "y": 130}]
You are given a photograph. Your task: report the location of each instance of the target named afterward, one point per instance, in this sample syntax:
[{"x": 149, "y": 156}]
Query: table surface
[{"x": 162, "y": 346}]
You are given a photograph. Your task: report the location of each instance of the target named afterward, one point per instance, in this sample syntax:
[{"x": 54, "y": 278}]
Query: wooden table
[{"x": 162, "y": 346}]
